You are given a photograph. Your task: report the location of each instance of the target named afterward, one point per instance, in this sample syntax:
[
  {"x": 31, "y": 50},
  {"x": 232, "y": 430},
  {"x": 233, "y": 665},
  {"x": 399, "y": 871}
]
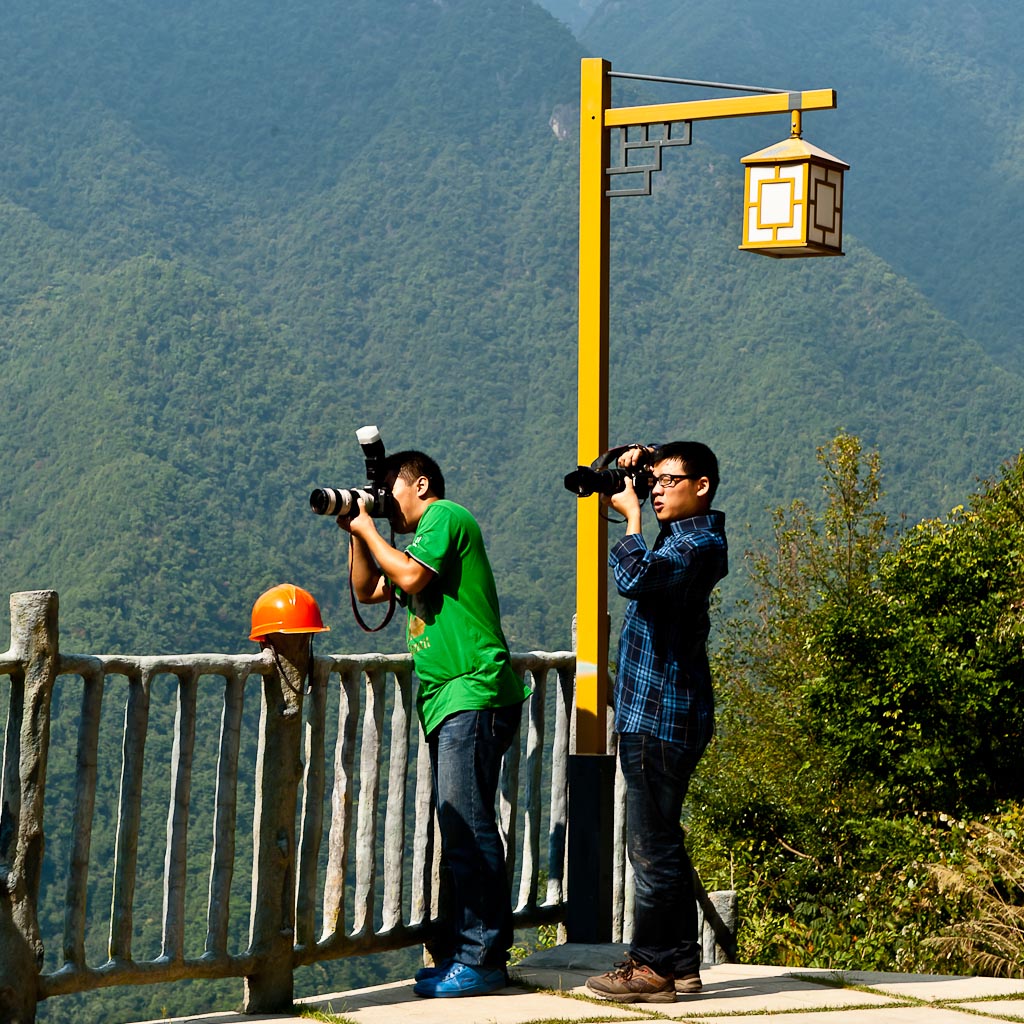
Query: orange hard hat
[{"x": 286, "y": 609}]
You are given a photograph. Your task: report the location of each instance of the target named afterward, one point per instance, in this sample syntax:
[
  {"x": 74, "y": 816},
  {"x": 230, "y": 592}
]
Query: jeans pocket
[{"x": 503, "y": 723}]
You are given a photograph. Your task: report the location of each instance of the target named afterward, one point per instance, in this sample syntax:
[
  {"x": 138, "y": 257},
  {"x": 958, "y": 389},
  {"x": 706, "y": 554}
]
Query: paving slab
[
  {"x": 386, "y": 1004},
  {"x": 896, "y": 1014},
  {"x": 1000, "y": 1009},
  {"x": 226, "y": 1017},
  {"x": 937, "y": 987}
]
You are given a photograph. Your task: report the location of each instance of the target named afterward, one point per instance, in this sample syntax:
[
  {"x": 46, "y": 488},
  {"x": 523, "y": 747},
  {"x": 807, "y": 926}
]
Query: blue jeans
[
  {"x": 465, "y": 757},
  {"x": 657, "y": 775}
]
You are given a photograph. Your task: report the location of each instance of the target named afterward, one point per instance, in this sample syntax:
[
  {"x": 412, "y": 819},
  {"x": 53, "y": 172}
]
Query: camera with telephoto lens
[
  {"x": 604, "y": 476},
  {"x": 376, "y": 497}
]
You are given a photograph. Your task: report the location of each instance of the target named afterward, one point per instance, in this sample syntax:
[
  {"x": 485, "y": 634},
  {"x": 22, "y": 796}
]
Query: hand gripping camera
[
  {"x": 343, "y": 501},
  {"x": 604, "y": 476}
]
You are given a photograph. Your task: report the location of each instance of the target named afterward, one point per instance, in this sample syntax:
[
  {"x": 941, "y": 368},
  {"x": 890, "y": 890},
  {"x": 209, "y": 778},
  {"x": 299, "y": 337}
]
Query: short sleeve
[{"x": 433, "y": 538}]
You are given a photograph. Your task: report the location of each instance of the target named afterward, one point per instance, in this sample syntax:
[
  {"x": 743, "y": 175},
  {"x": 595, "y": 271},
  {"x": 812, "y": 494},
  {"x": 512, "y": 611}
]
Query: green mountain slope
[
  {"x": 194, "y": 322},
  {"x": 217, "y": 330}
]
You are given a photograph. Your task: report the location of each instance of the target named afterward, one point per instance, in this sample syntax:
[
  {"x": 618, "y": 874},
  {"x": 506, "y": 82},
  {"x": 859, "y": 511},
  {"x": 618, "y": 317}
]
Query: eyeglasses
[{"x": 668, "y": 480}]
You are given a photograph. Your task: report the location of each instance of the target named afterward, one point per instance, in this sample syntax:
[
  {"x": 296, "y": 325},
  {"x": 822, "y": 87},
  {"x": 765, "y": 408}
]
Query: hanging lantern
[{"x": 793, "y": 204}]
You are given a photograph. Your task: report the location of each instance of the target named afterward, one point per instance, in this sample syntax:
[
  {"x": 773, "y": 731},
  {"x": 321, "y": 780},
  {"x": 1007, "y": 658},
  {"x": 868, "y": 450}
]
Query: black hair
[
  {"x": 411, "y": 465},
  {"x": 696, "y": 458}
]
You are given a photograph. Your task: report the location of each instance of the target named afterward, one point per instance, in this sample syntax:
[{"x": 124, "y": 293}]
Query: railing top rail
[
  {"x": 257, "y": 663},
  {"x": 151, "y": 664}
]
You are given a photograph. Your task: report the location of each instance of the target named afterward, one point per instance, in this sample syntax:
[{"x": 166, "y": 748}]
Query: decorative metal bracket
[{"x": 641, "y": 145}]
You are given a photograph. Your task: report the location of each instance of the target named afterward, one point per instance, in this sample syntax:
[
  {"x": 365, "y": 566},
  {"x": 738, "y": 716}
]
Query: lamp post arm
[{"x": 728, "y": 106}]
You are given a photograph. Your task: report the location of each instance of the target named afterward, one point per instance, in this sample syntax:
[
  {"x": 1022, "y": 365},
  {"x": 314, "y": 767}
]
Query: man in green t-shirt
[{"x": 469, "y": 700}]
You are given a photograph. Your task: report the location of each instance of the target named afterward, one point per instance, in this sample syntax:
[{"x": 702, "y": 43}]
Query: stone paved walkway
[{"x": 550, "y": 988}]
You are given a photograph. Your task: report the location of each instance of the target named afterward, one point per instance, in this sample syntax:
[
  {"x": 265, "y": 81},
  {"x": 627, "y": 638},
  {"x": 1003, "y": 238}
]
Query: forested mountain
[
  {"x": 231, "y": 234},
  {"x": 230, "y": 237}
]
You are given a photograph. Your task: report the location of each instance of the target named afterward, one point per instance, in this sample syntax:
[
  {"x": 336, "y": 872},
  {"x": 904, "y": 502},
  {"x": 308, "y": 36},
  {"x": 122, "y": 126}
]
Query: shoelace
[{"x": 624, "y": 970}]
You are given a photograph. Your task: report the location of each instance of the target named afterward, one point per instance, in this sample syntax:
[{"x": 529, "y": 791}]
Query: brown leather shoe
[
  {"x": 689, "y": 985},
  {"x": 631, "y": 982}
]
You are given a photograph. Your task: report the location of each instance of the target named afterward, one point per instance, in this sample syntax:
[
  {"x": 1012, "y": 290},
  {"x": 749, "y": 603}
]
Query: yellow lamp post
[{"x": 796, "y": 210}]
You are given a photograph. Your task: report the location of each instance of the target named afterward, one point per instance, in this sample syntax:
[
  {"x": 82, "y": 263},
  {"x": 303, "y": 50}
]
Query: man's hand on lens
[{"x": 357, "y": 522}]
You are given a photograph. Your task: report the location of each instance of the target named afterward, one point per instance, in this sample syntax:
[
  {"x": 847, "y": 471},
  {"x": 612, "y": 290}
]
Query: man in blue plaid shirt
[{"x": 664, "y": 708}]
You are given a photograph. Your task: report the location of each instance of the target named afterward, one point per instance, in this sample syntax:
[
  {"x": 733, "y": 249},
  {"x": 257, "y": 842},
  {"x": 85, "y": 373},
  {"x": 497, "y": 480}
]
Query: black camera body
[
  {"x": 603, "y": 476},
  {"x": 376, "y": 497}
]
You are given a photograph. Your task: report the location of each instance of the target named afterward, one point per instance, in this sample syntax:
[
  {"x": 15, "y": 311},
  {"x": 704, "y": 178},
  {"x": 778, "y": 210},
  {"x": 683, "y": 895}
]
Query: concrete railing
[{"x": 337, "y": 747}]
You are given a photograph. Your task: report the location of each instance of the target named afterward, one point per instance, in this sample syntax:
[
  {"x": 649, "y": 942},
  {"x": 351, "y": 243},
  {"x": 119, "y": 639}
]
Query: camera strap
[
  {"x": 392, "y": 602},
  {"x": 611, "y": 457}
]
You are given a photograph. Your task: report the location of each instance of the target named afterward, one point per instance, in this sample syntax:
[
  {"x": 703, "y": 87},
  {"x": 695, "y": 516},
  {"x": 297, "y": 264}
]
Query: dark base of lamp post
[{"x": 591, "y": 834}]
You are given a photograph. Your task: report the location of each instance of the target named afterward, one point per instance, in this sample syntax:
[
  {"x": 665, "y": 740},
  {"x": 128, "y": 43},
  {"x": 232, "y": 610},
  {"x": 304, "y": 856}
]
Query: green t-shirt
[{"x": 454, "y": 629}]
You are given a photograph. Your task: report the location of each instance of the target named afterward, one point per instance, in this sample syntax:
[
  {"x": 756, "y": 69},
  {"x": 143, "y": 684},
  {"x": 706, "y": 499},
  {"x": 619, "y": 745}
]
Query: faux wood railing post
[
  {"x": 269, "y": 988},
  {"x": 34, "y": 650}
]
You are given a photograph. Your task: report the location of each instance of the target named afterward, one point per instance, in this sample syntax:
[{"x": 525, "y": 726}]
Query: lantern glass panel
[
  {"x": 825, "y": 208},
  {"x": 776, "y": 202}
]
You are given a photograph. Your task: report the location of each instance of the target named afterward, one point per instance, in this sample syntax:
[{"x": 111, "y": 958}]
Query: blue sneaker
[
  {"x": 425, "y": 973},
  {"x": 462, "y": 980}
]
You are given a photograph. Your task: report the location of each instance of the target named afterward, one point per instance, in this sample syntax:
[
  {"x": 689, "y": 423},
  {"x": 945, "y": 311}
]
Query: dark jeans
[
  {"x": 465, "y": 757},
  {"x": 657, "y": 775}
]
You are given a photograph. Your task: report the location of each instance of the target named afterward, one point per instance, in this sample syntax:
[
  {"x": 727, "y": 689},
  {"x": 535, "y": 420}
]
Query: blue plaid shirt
[{"x": 663, "y": 683}]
